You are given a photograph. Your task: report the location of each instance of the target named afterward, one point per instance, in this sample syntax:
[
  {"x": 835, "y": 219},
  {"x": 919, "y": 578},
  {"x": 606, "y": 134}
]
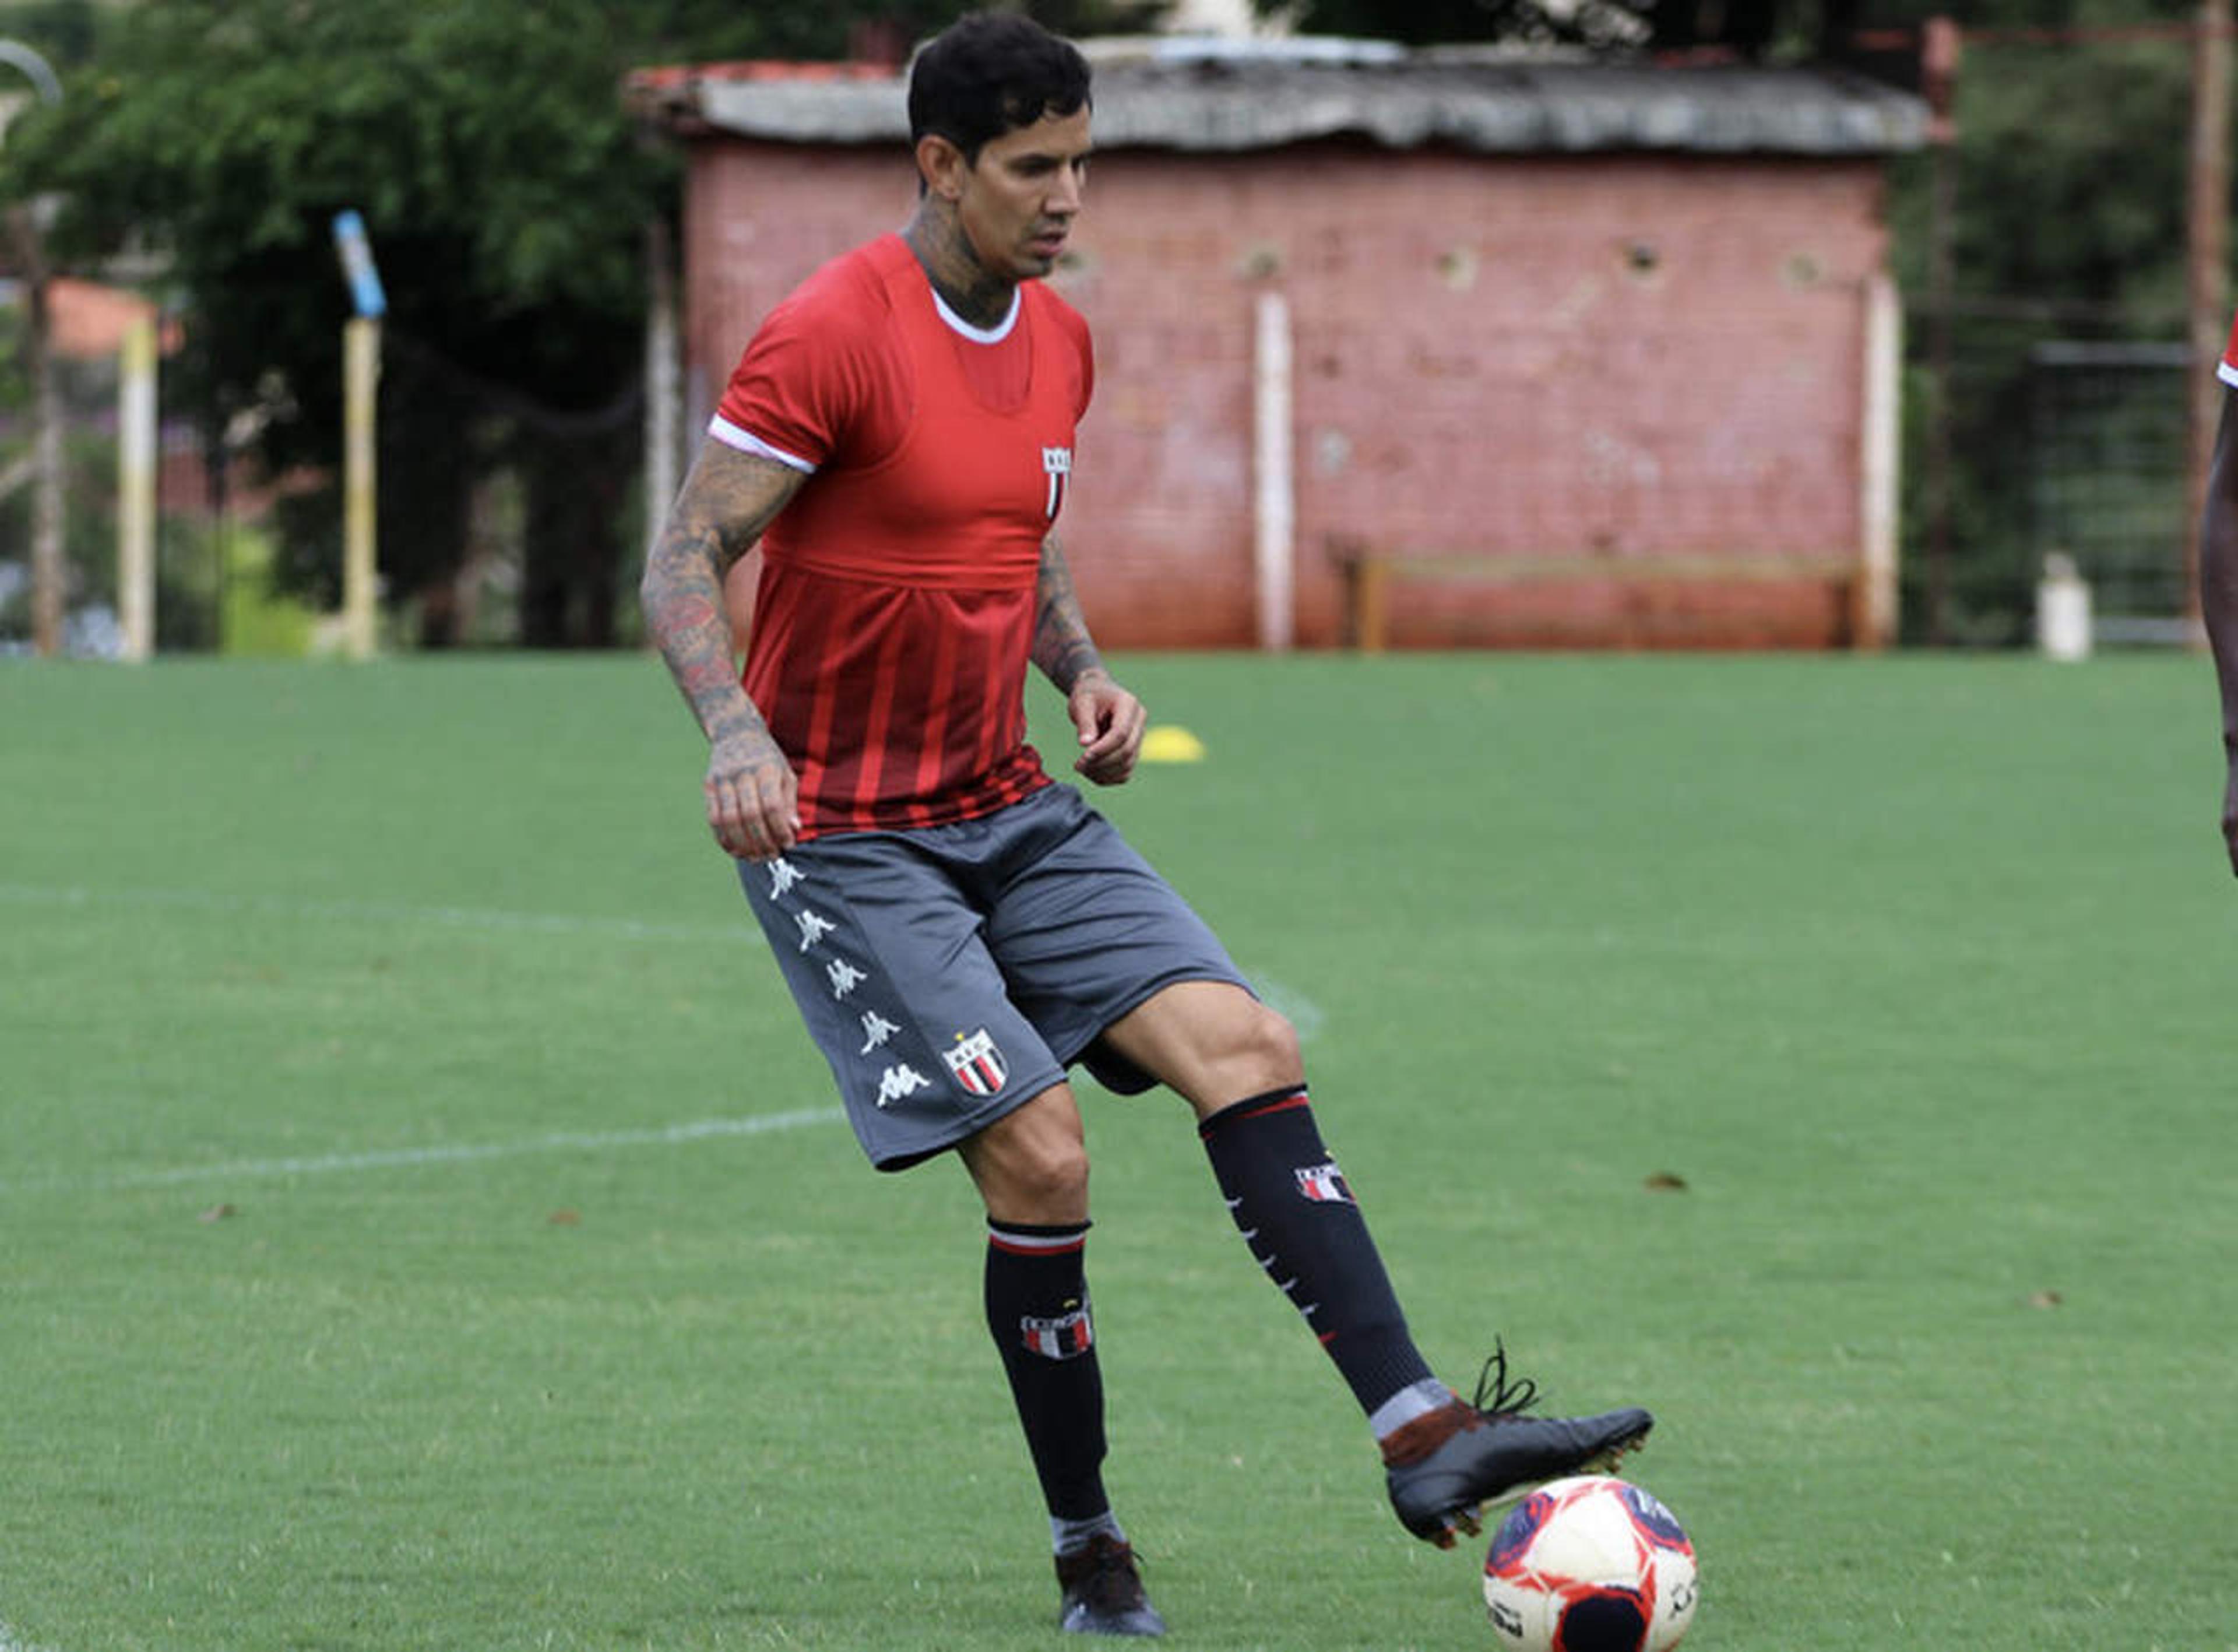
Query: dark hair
[{"x": 990, "y": 73}]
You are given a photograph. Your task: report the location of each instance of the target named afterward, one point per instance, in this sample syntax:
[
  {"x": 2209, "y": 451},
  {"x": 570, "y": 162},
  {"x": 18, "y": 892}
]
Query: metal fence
[{"x": 2034, "y": 434}]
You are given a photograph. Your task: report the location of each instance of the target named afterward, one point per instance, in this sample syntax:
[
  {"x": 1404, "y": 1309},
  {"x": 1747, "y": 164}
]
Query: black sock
[
  {"x": 1298, "y": 1216},
  {"x": 1037, "y": 1310}
]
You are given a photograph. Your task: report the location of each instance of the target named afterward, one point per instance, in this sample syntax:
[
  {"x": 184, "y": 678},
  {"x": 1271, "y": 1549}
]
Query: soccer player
[
  {"x": 2218, "y": 584},
  {"x": 957, "y": 930}
]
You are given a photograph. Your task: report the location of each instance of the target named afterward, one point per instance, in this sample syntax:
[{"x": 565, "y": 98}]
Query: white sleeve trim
[
  {"x": 2228, "y": 374},
  {"x": 745, "y": 441}
]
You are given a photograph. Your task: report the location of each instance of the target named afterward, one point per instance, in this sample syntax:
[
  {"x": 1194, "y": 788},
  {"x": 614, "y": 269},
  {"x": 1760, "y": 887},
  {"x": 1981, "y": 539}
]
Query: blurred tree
[
  {"x": 2062, "y": 229},
  {"x": 506, "y": 194},
  {"x": 63, "y": 29},
  {"x": 1746, "y": 27}
]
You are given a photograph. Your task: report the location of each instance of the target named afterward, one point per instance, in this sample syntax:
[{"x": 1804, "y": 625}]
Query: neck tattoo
[{"x": 946, "y": 256}]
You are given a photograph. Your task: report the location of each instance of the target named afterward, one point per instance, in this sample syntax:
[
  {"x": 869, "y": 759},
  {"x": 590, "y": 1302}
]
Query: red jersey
[
  {"x": 893, "y": 623},
  {"x": 2228, "y": 372}
]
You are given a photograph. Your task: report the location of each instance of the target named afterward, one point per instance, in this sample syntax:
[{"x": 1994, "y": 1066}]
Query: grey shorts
[{"x": 953, "y": 973}]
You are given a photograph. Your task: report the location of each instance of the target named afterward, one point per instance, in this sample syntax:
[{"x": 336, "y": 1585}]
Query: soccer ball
[{"x": 1589, "y": 1564}]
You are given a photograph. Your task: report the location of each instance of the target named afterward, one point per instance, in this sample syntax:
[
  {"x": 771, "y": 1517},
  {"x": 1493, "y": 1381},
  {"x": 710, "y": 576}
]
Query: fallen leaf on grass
[
  {"x": 565, "y": 1219},
  {"x": 2046, "y": 1299},
  {"x": 219, "y": 1213},
  {"x": 1666, "y": 1181}
]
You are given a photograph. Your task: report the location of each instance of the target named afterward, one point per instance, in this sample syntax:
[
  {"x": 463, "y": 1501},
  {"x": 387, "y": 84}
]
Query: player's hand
[
  {"x": 753, "y": 796},
  {"x": 1110, "y": 722}
]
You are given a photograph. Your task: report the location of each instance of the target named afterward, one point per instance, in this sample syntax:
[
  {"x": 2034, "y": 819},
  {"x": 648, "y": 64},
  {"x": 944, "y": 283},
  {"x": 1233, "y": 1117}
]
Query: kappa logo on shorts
[
  {"x": 844, "y": 977},
  {"x": 1324, "y": 1184},
  {"x": 899, "y": 1082},
  {"x": 876, "y": 1029},
  {"x": 814, "y": 926},
  {"x": 978, "y": 1064},
  {"x": 783, "y": 876}
]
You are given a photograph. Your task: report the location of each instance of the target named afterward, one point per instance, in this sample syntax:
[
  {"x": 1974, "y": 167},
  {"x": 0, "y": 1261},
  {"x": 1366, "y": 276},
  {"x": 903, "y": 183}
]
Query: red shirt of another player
[
  {"x": 2228, "y": 372},
  {"x": 893, "y": 623}
]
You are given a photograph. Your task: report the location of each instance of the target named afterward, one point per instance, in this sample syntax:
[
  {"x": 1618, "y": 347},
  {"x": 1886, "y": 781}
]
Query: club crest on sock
[
  {"x": 1324, "y": 1184},
  {"x": 1066, "y": 1337}
]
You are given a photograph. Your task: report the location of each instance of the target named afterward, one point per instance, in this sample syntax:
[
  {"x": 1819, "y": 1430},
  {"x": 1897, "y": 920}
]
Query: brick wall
[{"x": 1622, "y": 393}]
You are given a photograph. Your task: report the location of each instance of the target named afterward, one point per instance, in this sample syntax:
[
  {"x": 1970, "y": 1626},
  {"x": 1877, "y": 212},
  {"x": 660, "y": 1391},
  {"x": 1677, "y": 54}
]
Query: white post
[
  {"x": 1873, "y": 604},
  {"x": 1275, "y": 515},
  {"x": 360, "y": 382},
  {"x": 664, "y": 447},
  {"x": 135, "y": 509},
  {"x": 2063, "y": 609}
]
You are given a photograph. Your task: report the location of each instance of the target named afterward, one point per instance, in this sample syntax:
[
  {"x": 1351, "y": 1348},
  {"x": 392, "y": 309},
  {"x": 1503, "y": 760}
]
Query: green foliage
[
  {"x": 2063, "y": 228},
  {"x": 1752, "y": 27},
  {"x": 507, "y": 192},
  {"x": 260, "y": 620}
]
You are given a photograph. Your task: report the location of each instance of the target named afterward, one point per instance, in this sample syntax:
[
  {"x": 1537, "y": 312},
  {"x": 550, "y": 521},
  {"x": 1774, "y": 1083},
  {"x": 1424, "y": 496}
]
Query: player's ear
[{"x": 942, "y": 165}]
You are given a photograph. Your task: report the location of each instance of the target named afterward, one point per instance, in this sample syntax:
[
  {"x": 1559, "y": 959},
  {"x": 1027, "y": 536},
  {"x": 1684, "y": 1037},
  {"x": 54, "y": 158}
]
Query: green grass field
[{"x": 423, "y": 1226}]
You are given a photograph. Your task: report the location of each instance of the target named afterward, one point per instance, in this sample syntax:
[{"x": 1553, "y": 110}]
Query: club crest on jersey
[
  {"x": 1057, "y": 462},
  {"x": 1067, "y": 1337},
  {"x": 979, "y": 1066},
  {"x": 1324, "y": 1184}
]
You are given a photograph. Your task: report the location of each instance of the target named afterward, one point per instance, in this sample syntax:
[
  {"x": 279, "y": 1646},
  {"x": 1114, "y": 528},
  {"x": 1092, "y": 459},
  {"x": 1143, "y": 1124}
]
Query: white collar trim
[{"x": 994, "y": 335}]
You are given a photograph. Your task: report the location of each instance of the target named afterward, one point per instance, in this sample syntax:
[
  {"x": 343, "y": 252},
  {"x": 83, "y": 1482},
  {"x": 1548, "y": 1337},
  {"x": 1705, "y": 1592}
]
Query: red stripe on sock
[{"x": 1254, "y": 1107}]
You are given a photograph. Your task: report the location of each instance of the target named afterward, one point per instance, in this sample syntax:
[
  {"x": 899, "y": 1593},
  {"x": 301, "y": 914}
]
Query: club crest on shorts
[
  {"x": 979, "y": 1066},
  {"x": 1324, "y": 1184},
  {"x": 1067, "y": 1337}
]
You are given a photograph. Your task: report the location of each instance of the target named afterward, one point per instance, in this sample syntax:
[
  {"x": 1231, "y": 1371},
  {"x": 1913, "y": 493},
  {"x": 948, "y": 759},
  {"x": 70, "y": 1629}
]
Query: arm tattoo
[
  {"x": 726, "y": 502},
  {"x": 1062, "y": 647}
]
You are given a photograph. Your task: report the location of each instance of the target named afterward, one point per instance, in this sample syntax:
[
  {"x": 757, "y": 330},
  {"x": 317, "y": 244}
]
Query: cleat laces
[{"x": 1496, "y": 1397}]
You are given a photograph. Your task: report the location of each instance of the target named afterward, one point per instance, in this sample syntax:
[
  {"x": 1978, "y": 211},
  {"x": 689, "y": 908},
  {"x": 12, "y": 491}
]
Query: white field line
[
  {"x": 458, "y": 1153},
  {"x": 1302, "y": 1011},
  {"x": 1304, "y": 1014}
]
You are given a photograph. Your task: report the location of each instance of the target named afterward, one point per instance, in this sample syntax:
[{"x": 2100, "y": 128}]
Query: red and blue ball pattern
[{"x": 1589, "y": 1564}]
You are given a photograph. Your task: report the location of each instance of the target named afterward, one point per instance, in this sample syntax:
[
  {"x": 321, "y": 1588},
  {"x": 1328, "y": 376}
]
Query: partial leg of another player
[
  {"x": 1031, "y": 1170},
  {"x": 1237, "y": 1063}
]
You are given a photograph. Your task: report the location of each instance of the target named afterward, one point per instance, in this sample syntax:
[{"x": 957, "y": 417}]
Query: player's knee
[
  {"x": 1269, "y": 1044},
  {"x": 1051, "y": 1180}
]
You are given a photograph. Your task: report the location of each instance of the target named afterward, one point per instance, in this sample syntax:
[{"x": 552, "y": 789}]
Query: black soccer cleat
[
  {"x": 1103, "y": 1591},
  {"x": 1444, "y": 1468}
]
